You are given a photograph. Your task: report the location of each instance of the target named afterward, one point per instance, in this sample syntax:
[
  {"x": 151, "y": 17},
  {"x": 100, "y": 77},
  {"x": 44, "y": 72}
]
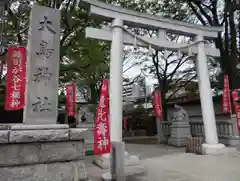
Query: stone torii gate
[{"x": 118, "y": 36}]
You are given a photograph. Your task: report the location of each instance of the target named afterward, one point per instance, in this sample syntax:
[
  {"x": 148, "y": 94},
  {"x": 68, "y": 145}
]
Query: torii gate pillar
[
  {"x": 116, "y": 74},
  {"x": 115, "y": 93},
  {"x": 211, "y": 145}
]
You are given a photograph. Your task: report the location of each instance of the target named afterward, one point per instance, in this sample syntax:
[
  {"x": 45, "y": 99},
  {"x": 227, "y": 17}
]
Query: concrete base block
[
  {"x": 42, "y": 154},
  {"x": 132, "y": 173},
  {"x": 230, "y": 141},
  {"x": 180, "y": 132},
  {"x": 103, "y": 161},
  {"x": 177, "y": 141},
  {"x": 58, "y": 171},
  {"x": 217, "y": 149}
]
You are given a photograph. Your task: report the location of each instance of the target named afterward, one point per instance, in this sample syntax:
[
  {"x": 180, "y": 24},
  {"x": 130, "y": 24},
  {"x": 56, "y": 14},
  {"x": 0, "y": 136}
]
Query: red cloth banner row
[
  {"x": 16, "y": 80},
  {"x": 226, "y": 102}
]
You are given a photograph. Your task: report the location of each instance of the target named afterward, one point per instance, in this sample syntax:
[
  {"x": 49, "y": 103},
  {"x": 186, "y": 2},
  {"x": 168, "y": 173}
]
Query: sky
[{"x": 133, "y": 71}]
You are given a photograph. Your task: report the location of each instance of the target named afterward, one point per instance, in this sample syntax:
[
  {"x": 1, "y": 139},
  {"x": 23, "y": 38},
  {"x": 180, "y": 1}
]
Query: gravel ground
[{"x": 172, "y": 164}]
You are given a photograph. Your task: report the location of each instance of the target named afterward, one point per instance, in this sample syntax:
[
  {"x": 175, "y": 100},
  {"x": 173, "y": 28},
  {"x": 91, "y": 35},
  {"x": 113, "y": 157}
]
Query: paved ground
[{"x": 172, "y": 164}]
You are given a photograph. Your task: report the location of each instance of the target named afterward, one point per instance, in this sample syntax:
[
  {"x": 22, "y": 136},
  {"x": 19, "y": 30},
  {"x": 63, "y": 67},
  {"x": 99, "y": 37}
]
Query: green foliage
[
  {"x": 218, "y": 13},
  {"x": 85, "y": 61},
  {"x": 81, "y": 59}
]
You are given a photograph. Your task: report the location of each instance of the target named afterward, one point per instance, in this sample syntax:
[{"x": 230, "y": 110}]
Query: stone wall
[
  {"x": 37, "y": 153},
  {"x": 227, "y": 129}
]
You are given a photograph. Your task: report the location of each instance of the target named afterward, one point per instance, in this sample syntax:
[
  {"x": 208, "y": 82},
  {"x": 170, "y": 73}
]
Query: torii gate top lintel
[{"x": 143, "y": 20}]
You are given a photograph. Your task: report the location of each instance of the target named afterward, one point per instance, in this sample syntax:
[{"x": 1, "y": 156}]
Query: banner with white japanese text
[
  {"x": 157, "y": 104},
  {"x": 71, "y": 99},
  {"x": 226, "y": 102},
  {"x": 236, "y": 106},
  {"x": 15, "y": 78},
  {"x": 101, "y": 126}
]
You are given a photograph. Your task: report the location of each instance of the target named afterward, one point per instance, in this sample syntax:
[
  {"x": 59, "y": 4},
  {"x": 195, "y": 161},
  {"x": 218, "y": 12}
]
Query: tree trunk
[
  {"x": 233, "y": 55},
  {"x": 164, "y": 106}
]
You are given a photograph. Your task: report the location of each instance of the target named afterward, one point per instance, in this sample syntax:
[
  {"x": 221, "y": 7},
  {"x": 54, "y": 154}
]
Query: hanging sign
[
  {"x": 157, "y": 104},
  {"x": 236, "y": 106},
  {"x": 15, "y": 78},
  {"x": 226, "y": 104},
  {"x": 71, "y": 99},
  {"x": 101, "y": 125}
]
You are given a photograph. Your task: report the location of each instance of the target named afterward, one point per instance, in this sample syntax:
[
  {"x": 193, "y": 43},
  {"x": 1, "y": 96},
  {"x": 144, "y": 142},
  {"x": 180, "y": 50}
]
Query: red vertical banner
[
  {"x": 15, "y": 78},
  {"x": 235, "y": 97},
  {"x": 124, "y": 123},
  {"x": 157, "y": 106},
  {"x": 71, "y": 99},
  {"x": 226, "y": 104},
  {"x": 236, "y": 106},
  {"x": 101, "y": 125}
]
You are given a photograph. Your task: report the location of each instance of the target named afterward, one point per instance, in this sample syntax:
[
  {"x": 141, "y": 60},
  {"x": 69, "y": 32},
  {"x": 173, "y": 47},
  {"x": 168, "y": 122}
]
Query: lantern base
[{"x": 103, "y": 161}]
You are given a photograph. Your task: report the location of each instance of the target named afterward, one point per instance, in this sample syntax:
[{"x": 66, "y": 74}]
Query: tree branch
[
  {"x": 15, "y": 24},
  {"x": 156, "y": 64},
  {"x": 226, "y": 34},
  {"x": 214, "y": 13},
  {"x": 233, "y": 33},
  {"x": 207, "y": 6},
  {"x": 176, "y": 90},
  {"x": 132, "y": 82},
  {"x": 180, "y": 63},
  {"x": 68, "y": 30},
  {"x": 199, "y": 16},
  {"x": 204, "y": 13}
]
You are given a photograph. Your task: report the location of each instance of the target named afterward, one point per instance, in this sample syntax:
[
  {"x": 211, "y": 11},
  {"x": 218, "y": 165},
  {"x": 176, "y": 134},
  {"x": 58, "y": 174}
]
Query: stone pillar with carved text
[{"x": 41, "y": 97}]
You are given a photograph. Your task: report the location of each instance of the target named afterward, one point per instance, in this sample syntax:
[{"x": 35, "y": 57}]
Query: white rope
[
  {"x": 165, "y": 55},
  {"x": 135, "y": 44},
  {"x": 149, "y": 43}
]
